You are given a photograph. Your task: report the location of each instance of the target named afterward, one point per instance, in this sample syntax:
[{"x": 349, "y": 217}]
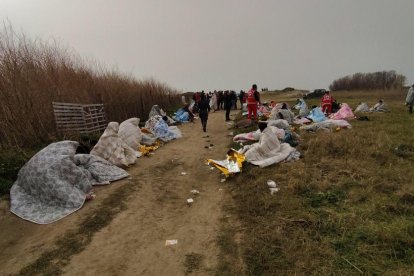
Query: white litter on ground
[{"x": 171, "y": 242}]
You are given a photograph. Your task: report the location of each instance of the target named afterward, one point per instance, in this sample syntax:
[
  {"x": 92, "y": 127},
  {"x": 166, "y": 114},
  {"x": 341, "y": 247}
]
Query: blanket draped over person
[
  {"x": 379, "y": 107},
  {"x": 130, "y": 133},
  {"x": 158, "y": 126},
  {"x": 302, "y": 107},
  {"x": 326, "y": 125},
  {"x": 112, "y": 148},
  {"x": 344, "y": 113},
  {"x": 362, "y": 107},
  {"x": 282, "y": 112},
  {"x": 213, "y": 101},
  {"x": 255, "y": 135},
  {"x": 268, "y": 150},
  {"x": 316, "y": 115},
  {"x": 409, "y": 100},
  {"x": 156, "y": 110},
  {"x": 55, "y": 182}
]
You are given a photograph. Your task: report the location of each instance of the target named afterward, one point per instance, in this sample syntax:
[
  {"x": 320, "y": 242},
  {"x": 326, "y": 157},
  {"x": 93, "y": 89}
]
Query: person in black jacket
[
  {"x": 204, "y": 108},
  {"x": 228, "y": 103}
]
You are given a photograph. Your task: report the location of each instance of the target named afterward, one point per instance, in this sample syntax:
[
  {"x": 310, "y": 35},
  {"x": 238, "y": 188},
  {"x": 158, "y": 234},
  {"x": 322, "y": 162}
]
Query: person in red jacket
[
  {"x": 253, "y": 98},
  {"x": 327, "y": 101}
]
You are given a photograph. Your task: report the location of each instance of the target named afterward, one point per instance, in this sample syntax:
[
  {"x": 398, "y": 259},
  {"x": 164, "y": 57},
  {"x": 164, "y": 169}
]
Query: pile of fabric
[
  {"x": 55, "y": 182},
  {"x": 112, "y": 148}
]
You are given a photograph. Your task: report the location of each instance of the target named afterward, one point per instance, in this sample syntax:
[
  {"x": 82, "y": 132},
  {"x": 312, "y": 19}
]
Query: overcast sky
[{"x": 219, "y": 44}]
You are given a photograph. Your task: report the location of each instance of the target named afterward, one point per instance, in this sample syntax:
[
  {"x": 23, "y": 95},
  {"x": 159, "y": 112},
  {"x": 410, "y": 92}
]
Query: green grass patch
[{"x": 346, "y": 207}]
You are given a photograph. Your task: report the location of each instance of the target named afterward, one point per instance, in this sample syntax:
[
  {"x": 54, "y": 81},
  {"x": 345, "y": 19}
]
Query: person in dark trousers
[
  {"x": 228, "y": 104},
  {"x": 241, "y": 98},
  {"x": 204, "y": 108},
  {"x": 233, "y": 99}
]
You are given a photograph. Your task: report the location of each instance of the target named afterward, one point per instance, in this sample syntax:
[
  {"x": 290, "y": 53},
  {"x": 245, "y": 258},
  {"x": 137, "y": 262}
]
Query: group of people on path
[{"x": 227, "y": 100}]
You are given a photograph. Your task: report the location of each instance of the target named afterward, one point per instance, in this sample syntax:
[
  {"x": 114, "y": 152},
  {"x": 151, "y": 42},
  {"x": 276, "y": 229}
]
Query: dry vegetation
[
  {"x": 346, "y": 207},
  {"x": 35, "y": 73},
  {"x": 369, "y": 81}
]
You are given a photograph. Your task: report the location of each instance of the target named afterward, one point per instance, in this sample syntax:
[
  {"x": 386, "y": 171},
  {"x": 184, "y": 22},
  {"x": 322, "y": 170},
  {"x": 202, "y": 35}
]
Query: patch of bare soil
[{"x": 133, "y": 243}]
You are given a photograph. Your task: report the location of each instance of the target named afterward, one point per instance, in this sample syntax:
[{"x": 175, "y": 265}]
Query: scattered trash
[
  {"x": 183, "y": 173},
  {"x": 271, "y": 184},
  {"x": 274, "y": 190},
  {"x": 220, "y": 189},
  {"x": 190, "y": 201},
  {"x": 223, "y": 180},
  {"x": 212, "y": 168},
  {"x": 195, "y": 192},
  {"x": 231, "y": 165},
  {"x": 171, "y": 242}
]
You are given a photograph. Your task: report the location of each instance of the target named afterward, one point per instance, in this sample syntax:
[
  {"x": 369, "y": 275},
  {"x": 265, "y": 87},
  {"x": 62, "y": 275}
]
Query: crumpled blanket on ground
[
  {"x": 301, "y": 121},
  {"x": 130, "y": 133},
  {"x": 326, "y": 125},
  {"x": 267, "y": 151},
  {"x": 255, "y": 135},
  {"x": 344, "y": 113},
  {"x": 362, "y": 107},
  {"x": 112, "y": 148},
  {"x": 279, "y": 123},
  {"x": 54, "y": 183},
  {"x": 316, "y": 115}
]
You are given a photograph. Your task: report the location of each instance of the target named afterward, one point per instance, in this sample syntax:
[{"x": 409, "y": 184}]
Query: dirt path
[{"x": 133, "y": 243}]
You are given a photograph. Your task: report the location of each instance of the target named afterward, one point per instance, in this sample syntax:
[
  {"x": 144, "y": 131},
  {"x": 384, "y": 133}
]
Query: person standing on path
[
  {"x": 409, "y": 100},
  {"x": 327, "y": 101},
  {"x": 228, "y": 104},
  {"x": 241, "y": 98},
  {"x": 253, "y": 98},
  {"x": 204, "y": 108}
]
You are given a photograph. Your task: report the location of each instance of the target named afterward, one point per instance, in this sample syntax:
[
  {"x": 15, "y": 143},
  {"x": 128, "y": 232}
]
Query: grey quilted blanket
[{"x": 54, "y": 183}]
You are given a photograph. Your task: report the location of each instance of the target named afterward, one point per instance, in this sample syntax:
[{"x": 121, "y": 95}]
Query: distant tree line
[{"x": 368, "y": 81}]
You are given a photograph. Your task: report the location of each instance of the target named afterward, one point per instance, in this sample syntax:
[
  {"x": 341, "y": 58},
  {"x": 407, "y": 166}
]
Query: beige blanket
[
  {"x": 130, "y": 133},
  {"x": 112, "y": 148},
  {"x": 268, "y": 150}
]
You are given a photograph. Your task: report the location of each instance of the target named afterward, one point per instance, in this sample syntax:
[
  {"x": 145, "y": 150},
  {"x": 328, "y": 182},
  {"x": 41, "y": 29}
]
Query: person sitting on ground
[
  {"x": 302, "y": 107},
  {"x": 379, "y": 107},
  {"x": 409, "y": 100}
]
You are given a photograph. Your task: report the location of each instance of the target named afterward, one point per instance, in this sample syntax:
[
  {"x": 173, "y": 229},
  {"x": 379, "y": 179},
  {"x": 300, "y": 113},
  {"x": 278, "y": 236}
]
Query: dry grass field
[{"x": 346, "y": 207}]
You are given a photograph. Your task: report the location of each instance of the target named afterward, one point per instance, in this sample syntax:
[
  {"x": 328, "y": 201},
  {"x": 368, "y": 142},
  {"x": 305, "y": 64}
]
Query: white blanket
[
  {"x": 268, "y": 150},
  {"x": 130, "y": 133}
]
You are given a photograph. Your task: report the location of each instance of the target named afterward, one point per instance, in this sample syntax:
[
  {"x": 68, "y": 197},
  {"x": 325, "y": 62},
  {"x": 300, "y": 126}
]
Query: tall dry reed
[{"x": 34, "y": 73}]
